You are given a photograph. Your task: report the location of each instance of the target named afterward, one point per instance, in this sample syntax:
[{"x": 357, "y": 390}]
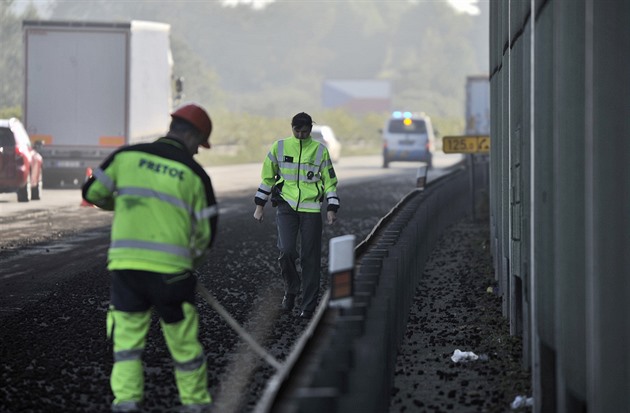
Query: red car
[{"x": 20, "y": 163}]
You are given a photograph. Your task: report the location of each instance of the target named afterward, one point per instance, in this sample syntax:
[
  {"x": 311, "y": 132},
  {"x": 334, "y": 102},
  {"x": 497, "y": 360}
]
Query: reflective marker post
[{"x": 341, "y": 270}]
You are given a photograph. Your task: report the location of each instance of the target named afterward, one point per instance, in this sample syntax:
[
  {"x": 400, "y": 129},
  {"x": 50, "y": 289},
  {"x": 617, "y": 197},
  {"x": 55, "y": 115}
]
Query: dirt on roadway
[
  {"x": 55, "y": 294},
  {"x": 53, "y": 306}
]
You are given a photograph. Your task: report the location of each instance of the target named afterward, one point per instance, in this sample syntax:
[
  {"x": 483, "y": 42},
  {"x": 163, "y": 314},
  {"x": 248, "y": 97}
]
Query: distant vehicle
[
  {"x": 91, "y": 87},
  {"x": 20, "y": 163},
  {"x": 408, "y": 137},
  {"x": 324, "y": 134}
]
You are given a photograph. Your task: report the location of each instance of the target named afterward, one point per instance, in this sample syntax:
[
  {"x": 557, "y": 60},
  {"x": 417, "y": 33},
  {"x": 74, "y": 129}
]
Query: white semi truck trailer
[
  {"x": 477, "y": 105},
  {"x": 92, "y": 87}
]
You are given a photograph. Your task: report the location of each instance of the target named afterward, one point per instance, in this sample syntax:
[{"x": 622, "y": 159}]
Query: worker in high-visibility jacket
[
  {"x": 298, "y": 175},
  {"x": 165, "y": 220}
]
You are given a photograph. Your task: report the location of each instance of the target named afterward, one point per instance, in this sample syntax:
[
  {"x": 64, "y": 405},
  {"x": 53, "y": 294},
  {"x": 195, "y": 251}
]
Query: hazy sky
[{"x": 463, "y": 6}]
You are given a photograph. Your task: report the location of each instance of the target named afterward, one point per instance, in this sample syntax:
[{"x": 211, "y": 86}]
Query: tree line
[{"x": 273, "y": 61}]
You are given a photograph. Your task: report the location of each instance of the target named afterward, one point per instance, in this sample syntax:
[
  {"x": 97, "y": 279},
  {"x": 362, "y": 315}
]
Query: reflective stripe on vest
[
  {"x": 320, "y": 155},
  {"x": 102, "y": 177},
  {"x": 301, "y": 178},
  {"x": 305, "y": 168},
  {"x": 152, "y": 246},
  {"x": 206, "y": 213},
  {"x": 332, "y": 198},
  {"x": 151, "y": 193},
  {"x": 280, "y": 150},
  {"x": 263, "y": 192},
  {"x": 309, "y": 205}
]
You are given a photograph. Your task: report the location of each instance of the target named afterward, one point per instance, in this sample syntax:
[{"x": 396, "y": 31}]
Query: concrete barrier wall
[{"x": 560, "y": 126}]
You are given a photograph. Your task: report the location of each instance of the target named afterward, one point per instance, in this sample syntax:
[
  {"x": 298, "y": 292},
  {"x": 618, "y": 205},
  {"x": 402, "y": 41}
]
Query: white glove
[
  {"x": 258, "y": 213},
  {"x": 332, "y": 217}
]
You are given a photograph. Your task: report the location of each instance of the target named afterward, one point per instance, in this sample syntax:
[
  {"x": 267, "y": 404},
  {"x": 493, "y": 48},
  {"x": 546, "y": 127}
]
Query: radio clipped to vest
[{"x": 276, "y": 190}]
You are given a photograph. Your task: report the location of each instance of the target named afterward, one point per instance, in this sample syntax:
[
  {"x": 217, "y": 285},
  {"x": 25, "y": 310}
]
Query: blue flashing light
[{"x": 397, "y": 114}]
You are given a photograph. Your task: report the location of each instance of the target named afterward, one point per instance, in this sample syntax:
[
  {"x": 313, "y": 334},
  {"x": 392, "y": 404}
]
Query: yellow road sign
[
  {"x": 466, "y": 144},
  {"x": 483, "y": 143}
]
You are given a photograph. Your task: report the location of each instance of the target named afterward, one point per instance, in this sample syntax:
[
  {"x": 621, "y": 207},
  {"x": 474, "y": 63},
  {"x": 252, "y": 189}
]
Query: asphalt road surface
[{"x": 55, "y": 292}]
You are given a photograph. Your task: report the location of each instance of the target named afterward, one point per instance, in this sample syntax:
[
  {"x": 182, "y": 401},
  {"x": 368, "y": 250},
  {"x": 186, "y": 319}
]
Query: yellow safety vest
[
  {"x": 165, "y": 210},
  {"x": 303, "y": 174}
]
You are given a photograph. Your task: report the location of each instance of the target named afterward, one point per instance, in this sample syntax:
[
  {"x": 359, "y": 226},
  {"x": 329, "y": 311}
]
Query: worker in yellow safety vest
[
  {"x": 165, "y": 220},
  {"x": 298, "y": 175}
]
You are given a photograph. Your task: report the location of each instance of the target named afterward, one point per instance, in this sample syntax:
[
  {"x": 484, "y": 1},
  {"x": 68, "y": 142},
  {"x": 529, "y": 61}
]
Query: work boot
[
  {"x": 195, "y": 408},
  {"x": 126, "y": 407},
  {"x": 288, "y": 302}
]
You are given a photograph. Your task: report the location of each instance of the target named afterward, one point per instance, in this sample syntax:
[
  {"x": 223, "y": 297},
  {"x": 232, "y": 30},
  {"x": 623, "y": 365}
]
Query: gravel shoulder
[
  {"x": 456, "y": 308},
  {"x": 56, "y": 350}
]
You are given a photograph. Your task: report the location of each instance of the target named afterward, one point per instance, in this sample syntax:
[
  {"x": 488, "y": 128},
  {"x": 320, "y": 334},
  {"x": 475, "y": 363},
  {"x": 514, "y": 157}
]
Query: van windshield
[{"x": 416, "y": 126}]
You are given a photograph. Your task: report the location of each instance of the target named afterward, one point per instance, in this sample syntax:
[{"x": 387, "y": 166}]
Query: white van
[{"x": 408, "y": 136}]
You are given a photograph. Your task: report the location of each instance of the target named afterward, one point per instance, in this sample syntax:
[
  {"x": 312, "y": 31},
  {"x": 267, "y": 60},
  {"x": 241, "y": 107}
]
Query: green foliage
[
  {"x": 359, "y": 134},
  {"x": 447, "y": 127},
  {"x": 241, "y": 137},
  {"x": 253, "y": 69},
  {"x": 11, "y": 112},
  {"x": 246, "y": 138},
  {"x": 272, "y": 61},
  {"x": 200, "y": 81},
  {"x": 11, "y": 54}
]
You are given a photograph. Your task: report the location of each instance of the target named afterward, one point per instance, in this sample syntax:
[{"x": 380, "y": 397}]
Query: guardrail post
[{"x": 341, "y": 270}]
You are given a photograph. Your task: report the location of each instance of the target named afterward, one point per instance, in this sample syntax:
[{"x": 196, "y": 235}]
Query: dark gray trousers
[{"x": 308, "y": 226}]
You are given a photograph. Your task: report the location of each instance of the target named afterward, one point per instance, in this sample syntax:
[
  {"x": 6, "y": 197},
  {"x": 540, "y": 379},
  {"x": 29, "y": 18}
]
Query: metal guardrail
[{"x": 345, "y": 359}]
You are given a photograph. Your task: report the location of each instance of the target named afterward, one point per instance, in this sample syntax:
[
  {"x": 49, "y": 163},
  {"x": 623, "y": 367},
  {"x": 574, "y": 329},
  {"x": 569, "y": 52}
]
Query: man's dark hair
[
  {"x": 182, "y": 126},
  {"x": 302, "y": 119}
]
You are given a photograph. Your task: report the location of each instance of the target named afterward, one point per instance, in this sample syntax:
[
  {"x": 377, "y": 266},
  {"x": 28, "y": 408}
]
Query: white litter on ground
[
  {"x": 459, "y": 355},
  {"x": 522, "y": 401}
]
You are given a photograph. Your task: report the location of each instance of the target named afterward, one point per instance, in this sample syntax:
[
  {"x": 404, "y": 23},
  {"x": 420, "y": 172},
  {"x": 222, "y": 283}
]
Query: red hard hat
[{"x": 199, "y": 119}]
